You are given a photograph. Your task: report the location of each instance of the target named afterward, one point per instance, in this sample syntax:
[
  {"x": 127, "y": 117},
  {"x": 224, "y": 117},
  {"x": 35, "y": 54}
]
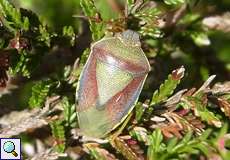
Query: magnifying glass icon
[{"x": 9, "y": 147}]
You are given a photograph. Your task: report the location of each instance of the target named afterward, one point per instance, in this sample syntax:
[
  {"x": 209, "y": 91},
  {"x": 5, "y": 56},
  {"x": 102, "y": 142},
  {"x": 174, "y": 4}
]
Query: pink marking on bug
[
  {"x": 106, "y": 56},
  {"x": 125, "y": 96},
  {"x": 89, "y": 92}
]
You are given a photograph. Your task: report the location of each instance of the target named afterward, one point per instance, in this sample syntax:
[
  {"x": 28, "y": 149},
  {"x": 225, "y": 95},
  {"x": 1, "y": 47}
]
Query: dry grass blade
[
  {"x": 175, "y": 98},
  {"x": 189, "y": 122},
  {"x": 177, "y": 124},
  {"x": 206, "y": 84},
  {"x": 170, "y": 130},
  {"x": 47, "y": 155},
  {"x": 35, "y": 118},
  {"x": 225, "y": 106},
  {"x": 220, "y": 88}
]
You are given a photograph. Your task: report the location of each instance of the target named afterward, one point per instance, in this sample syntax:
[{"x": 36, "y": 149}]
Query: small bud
[
  {"x": 131, "y": 142},
  {"x": 178, "y": 73},
  {"x": 19, "y": 43}
]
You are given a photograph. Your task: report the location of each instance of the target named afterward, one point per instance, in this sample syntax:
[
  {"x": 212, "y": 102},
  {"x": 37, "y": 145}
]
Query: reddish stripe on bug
[
  {"x": 132, "y": 67},
  {"x": 89, "y": 92},
  {"x": 116, "y": 104}
]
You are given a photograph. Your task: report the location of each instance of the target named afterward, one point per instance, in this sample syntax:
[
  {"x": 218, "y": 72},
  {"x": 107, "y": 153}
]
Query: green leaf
[
  {"x": 155, "y": 140},
  {"x": 2, "y": 42},
  {"x": 12, "y": 17},
  {"x": 69, "y": 32},
  {"x": 139, "y": 133},
  {"x": 175, "y": 148},
  {"x": 26, "y": 23},
  {"x": 187, "y": 137},
  {"x": 168, "y": 87},
  {"x": 129, "y": 2},
  {"x": 45, "y": 36},
  {"x": 139, "y": 111},
  {"x": 84, "y": 56},
  {"x": 70, "y": 114},
  {"x": 171, "y": 144},
  {"x": 205, "y": 134},
  {"x": 150, "y": 31},
  {"x": 94, "y": 153},
  {"x": 40, "y": 91},
  {"x": 58, "y": 132},
  {"x": 90, "y": 11},
  {"x": 174, "y": 2},
  {"x": 200, "y": 38},
  {"x": 148, "y": 13},
  {"x": 21, "y": 63},
  {"x": 155, "y": 144},
  {"x": 202, "y": 111},
  {"x": 187, "y": 145},
  {"x": 97, "y": 152}
]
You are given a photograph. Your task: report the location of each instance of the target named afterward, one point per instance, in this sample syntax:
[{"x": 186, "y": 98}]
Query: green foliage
[
  {"x": 174, "y": 2},
  {"x": 200, "y": 38},
  {"x": 13, "y": 19},
  {"x": 69, "y": 32},
  {"x": 155, "y": 144},
  {"x": 95, "y": 153},
  {"x": 40, "y": 91},
  {"x": 167, "y": 88},
  {"x": 140, "y": 134},
  {"x": 60, "y": 128},
  {"x": 70, "y": 114},
  {"x": 90, "y": 11},
  {"x": 58, "y": 132},
  {"x": 44, "y": 35},
  {"x": 139, "y": 111},
  {"x": 84, "y": 56},
  {"x": 175, "y": 149},
  {"x": 148, "y": 16},
  {"x": 21, "y": 63},
  {"x": 201, "y": 110}
]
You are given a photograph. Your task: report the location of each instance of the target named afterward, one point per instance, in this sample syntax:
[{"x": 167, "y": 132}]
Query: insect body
[{"x": 110, "y": 83}]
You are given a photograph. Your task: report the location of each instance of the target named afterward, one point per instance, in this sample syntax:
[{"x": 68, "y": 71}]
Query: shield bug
[{"x": 110, "y": 83}]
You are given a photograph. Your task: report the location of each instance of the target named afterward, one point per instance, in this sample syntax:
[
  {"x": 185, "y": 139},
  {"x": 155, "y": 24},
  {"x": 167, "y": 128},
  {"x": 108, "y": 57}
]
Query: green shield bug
[{"x": 110, "y": 83}]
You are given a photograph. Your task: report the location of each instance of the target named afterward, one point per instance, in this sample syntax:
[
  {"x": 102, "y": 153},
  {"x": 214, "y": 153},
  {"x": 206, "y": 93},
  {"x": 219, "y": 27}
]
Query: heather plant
[{"x": 184, "y": 107}]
